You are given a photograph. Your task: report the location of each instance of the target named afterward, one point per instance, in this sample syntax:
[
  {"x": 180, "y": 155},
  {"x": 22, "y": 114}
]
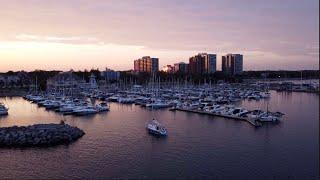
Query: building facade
[
  {"x": 65, "y": 83},
  {"x": 181, "y": 67},
  {"x": 203, "y": 63},
  {"x": 232, "y": 64},
  {"x": 146, "y": 64},
  {"x": 110, "y": 75}
]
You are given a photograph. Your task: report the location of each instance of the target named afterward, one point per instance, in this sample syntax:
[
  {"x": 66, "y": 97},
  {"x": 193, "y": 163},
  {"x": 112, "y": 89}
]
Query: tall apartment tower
[
  {"x": 203, "y": 63},
  {"x": 146, "y": 64},
  {"x": 181, "y": 67},
  {"x": 232, "y": 64}
]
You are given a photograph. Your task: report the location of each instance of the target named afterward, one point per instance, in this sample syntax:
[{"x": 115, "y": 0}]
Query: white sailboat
[{"x": 154, "y": 127}]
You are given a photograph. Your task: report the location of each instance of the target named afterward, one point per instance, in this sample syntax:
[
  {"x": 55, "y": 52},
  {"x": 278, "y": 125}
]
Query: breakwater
[{"x": 39, "y": 135}]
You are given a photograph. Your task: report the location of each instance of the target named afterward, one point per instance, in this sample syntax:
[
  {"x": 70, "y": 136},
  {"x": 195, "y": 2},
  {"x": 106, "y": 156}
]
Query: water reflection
[{"x": 117, "y": 145}]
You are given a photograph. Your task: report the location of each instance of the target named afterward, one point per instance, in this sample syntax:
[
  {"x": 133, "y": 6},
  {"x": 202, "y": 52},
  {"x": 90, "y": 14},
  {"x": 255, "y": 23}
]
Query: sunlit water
[{"x": 116, "y": 144}]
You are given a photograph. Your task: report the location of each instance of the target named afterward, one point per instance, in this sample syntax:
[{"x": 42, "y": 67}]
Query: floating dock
[{"x": 248, "y": 120}]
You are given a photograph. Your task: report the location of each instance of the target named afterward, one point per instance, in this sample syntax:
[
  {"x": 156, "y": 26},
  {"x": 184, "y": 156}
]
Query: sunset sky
[{"x": 85, "y": 34}]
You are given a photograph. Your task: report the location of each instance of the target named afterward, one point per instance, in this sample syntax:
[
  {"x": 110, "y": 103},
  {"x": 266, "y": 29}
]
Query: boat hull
[
  {"x": 156, "y": 133},
  {"x": 3, "y": 113}
]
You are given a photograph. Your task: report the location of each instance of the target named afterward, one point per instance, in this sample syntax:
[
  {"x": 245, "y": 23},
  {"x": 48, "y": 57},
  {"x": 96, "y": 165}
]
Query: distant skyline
[{"x": 85, "y": 34}]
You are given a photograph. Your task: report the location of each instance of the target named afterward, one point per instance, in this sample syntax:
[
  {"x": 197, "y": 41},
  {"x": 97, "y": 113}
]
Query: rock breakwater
[{"x": 39, "y": 135}]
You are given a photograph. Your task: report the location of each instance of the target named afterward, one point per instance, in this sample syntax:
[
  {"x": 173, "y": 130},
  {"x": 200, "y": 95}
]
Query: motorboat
[
  {"x": 84, "y": 110},
  {"x": 217, "y": 109},
  {"x": 265, "y": 94},
  {"x": 102, "y": 107},
  {"x": 126, "y": 100},
  {"x": 255, "y": 114},
  {"x": 254, "y": 97},
  {"x": 36, "y": 99},
  {"x": 113, "y": 98},
  {"x": 3, "y": 110},
  {"x": 239, "y": 112},
  {"x": 51, "y": 105},
  {"x": 66, "y": 109},
  {"x": 155, "y": 128},
  {"x": 227, "y": 110},
  {"x": 158, "y": 104},
  {"x": 268, "y": 117}
]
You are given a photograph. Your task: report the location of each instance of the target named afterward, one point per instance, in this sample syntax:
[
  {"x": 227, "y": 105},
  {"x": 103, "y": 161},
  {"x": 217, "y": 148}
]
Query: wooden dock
[{"x": 248, "y": 120}]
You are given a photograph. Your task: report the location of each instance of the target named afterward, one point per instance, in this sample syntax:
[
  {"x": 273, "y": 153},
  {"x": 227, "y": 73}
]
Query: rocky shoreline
[{"x": 39, "y": 135}]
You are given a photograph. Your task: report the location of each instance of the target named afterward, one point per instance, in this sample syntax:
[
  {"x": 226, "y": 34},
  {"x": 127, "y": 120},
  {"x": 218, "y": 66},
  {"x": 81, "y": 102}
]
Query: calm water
[{"x": 116, "y": 144}]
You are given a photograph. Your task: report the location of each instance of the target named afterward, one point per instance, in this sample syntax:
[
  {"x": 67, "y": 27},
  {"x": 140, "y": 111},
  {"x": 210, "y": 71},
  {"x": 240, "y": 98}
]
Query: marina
[
  {"x": 120, "y": 136},
  {"x": 159, "y": 90},
  {"x": 217, "y": 100}
]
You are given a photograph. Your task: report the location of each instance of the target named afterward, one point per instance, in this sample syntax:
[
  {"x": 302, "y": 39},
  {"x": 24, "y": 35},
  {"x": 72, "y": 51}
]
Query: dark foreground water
[{"x": 116, "y": 144}]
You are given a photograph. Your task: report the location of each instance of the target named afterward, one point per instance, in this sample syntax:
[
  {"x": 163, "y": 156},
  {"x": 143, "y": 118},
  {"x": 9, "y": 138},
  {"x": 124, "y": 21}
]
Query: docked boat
[
  {"x": 227, "y": 111},
  {"x": 126, "y": 100},
  {"x": 158, "y": 104},
  {"x": 3, "y": 110},
  {"x": 217, "y": 109},
  {"x": 265, "y": 94},
  {"x": 155, "y": 128},
  {"x": 102, "y": 107},
  {"x": 239, "y": 112},
  {"x": 84, "y": 110},
  {"x": 67, "y": 109},
  {"x": 51, "y": 105},
  {"x": 268, "y": 118}
]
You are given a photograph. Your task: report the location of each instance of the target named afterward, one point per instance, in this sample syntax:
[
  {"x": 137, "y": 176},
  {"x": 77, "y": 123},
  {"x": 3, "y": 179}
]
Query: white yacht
[
  {"x": 51, "y": 105},
  {"x": 227, "y": 110},
  {"x": 102, "y": 107},
  {"x": 155, "y": 128},
  {"x": 265, "y": 94},
  {"x": 269, "y": 117},
  {"x": 239, "y": 112},
  {"x": 217, "y": 109},
  {"x": 255, "y": 114},
  {"x": 158, "y": 104},
  {"x": 3, "y": 109},
  {"x": 125, "y": 100},
  {"x": 66, "y": 109},
  {"x": 84, "y": 110}
]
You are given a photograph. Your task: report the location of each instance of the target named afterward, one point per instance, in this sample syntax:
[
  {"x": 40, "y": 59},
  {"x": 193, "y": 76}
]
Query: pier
[{"x": 248, "y": 120}]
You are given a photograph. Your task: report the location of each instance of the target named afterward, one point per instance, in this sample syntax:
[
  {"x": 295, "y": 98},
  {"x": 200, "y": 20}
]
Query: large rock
[{"x": 44, "y": 135}]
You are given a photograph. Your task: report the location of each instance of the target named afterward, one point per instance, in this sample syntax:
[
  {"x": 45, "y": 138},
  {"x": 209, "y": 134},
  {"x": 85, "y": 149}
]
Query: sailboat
[{"x": 154, "y": 127}]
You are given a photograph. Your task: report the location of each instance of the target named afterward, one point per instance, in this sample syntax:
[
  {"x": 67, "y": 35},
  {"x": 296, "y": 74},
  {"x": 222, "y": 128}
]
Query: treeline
[
  {"x": 40, "y": 77},
  {"x": 219, "y": 75}
]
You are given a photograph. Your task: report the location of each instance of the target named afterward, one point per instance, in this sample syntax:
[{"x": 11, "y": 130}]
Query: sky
[{"x": 85, "y": 34}]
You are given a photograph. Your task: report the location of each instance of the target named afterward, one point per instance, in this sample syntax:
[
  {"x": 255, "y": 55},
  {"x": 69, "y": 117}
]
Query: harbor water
[{"x": 117, "y": 145}]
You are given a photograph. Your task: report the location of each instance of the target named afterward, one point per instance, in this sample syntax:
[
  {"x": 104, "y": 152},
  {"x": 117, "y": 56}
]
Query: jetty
[
  {"x": 39, "y": 135},
  {"x": 252, "y": 122}
]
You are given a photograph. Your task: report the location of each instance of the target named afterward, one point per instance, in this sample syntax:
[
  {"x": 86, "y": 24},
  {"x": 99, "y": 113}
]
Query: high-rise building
[
  {"x": 181, "y": 67},
  {"x": 210, "y": 63},
  {"x": 203, "y": 63},
  {"x": 232, "y": 64},
  {"x": 110, "y": 75},
  {"x": 146, "y": 64}
]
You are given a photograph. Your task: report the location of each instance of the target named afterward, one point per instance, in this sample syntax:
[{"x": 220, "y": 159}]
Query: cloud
[
  {"x": 171, "y": 29},
  {"x": 72, "y": 40}
]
